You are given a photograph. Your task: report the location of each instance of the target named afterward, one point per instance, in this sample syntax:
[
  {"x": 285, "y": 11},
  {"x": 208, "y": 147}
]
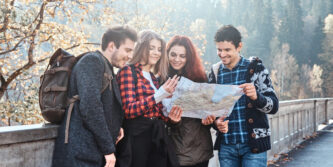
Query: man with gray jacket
[{"x": 94, "y": 125}]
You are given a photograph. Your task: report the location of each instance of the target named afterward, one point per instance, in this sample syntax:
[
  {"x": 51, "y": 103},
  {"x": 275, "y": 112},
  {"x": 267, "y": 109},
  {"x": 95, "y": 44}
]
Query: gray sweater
[{"x": 95, "y": 120}]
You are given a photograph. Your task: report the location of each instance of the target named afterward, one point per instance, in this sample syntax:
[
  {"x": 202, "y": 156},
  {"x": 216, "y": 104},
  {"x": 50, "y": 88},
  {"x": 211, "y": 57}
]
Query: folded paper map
[{"x": 198, "y": 100}]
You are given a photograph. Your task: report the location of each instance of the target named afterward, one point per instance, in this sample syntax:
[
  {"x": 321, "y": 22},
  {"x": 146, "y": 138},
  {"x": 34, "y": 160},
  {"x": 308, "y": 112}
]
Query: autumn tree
[
  {"x": 29, "y": 32},
  {"x": 305, "y": 90},
  {"x": 316, "y": 80},
  {"x": 285, "y": 74}
]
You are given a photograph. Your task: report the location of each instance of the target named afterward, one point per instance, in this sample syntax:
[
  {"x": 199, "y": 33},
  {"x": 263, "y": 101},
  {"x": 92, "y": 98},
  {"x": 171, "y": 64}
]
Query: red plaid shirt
[{"x": 138, "y": 100}]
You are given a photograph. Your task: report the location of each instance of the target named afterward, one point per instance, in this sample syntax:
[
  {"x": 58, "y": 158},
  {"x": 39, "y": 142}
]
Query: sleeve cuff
[
  {"x": 263, "y": 103},
  {"x": 161, "y": 94},
  {"x": 174, "y": 125},
  {"x": 260, "y": 102},
  {"x": 108, "y": 150}
]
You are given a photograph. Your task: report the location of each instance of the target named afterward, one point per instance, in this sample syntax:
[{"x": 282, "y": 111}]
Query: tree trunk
[{"x": 2, "y": 92}]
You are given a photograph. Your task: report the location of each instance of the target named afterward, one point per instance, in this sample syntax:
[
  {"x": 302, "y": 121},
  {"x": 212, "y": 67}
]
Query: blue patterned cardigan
[{"x": 256, "y": 110}]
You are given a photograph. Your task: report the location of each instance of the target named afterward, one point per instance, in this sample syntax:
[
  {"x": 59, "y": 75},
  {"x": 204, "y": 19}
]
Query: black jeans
[
  {"x": 146, "y": 144},
  {"x": 202, "y": 164},
  {"x": 142, "y": 150}
]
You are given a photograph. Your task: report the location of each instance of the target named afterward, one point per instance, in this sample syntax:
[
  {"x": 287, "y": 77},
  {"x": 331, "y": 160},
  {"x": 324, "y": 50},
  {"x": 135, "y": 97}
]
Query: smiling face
[
  {"x": 228, "y": 53},
  {"x": 155, "y": 52},
  {"x": 177, "y": 57},
  {"x": 123, "y": 54}
]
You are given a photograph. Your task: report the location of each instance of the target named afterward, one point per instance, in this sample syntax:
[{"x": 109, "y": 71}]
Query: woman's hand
[
  {"x": 120, "y": 135},
  {"x": 208, "y": 120},
  {"x": 222, "y": 125},
  {"x": 171, "y": 84},
  {"x": 175, "y": 114}
]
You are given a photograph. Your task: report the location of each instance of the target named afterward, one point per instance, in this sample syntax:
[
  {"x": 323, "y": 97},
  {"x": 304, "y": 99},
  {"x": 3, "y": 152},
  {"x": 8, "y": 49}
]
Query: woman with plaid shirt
[{"x": 146, "y": 142}]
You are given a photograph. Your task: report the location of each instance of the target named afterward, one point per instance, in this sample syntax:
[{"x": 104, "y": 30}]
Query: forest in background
[{"x": 294, "y": 38}]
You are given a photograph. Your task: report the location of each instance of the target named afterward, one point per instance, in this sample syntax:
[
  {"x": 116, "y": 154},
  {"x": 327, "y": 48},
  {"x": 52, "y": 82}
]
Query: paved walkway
[{"x": 315, "y": 152}]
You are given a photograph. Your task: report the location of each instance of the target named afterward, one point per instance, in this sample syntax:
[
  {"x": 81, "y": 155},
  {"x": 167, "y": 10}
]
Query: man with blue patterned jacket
[{"x": 248, "y": 137}]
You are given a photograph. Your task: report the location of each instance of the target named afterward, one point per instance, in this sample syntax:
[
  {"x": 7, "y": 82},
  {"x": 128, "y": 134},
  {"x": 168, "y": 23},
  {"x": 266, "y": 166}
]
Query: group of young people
[{"x": 125, "y": 126}]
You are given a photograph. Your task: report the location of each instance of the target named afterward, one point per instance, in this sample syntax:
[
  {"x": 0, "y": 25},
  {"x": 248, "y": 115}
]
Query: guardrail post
[
  {"x": 315, "y": 116},
  {"x": 326, "y": 112}
]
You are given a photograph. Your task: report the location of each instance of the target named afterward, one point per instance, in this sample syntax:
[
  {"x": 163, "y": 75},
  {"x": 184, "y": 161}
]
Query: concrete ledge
[
  {"x": 33, "y": 145},
  {"x": 301, "y": 101},
  {"x": 30, "y": 154},
  {"x": 27, "y": 133}
]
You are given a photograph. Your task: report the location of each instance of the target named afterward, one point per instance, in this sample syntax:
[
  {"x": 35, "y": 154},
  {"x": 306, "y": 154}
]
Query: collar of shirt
[
  {"x": 241, "y": 62},
  {"x": 108, "y": 63},
  {"x": 138, "y": 69}
]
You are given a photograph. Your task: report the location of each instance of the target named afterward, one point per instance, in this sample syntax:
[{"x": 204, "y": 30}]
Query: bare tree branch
[
  {"x": 2, "y": 79},
  {"x": 77, "y": 45},
  {"x": 10, "y": 39},
  {"x": 18, "y": 72},
  {"x": 40, "y": 15},
  {"x": 30, "y": 62},
  {"x": 15, "y": 47},
  {"x": 34, "y": 33},
  {"x": 47, "y": 39},
  {"x": 72, "y": 47},
  {"x": 13, "y": 27}
]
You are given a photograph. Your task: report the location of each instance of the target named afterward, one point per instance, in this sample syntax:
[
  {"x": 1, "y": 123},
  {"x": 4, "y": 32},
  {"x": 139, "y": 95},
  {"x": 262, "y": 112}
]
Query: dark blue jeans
[{"x": 240, "y": 155}]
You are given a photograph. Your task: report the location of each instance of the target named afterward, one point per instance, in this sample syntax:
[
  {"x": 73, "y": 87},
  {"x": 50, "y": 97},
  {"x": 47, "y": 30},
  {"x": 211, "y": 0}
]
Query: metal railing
[{"x": 296, "y": 119}]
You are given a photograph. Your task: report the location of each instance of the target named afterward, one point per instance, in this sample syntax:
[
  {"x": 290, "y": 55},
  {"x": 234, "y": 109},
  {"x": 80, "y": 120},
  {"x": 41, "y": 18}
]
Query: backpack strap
[
  {"x": 70, "y": 109},
  {"x": 107, "y": 76}
]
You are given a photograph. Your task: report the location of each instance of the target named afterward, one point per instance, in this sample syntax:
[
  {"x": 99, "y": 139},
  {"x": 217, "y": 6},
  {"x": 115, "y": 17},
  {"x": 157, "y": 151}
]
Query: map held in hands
[{"x": 198, "y": 100}]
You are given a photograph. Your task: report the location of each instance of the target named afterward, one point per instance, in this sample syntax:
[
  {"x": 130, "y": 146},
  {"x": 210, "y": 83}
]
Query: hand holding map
[{"x": 198, "y": 100}]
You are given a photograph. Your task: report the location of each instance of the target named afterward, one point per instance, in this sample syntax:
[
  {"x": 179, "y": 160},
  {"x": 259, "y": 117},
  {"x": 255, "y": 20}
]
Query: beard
[{"x": 115, "y": 59}]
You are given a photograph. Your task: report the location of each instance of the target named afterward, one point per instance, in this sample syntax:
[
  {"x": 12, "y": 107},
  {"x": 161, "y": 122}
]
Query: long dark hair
[{"x": 193, "y": 69}]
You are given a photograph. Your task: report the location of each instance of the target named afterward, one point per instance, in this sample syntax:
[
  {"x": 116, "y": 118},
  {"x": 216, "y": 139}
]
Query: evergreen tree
[
  {"x": 315, "y": 47},
  {"x": 307, "y": 6},
  {"x": 322, "y": 8},
  {"x": 291, "y": 30},
  {"x": 327, "y": 57},
  {"x": 259, "y": 41}
]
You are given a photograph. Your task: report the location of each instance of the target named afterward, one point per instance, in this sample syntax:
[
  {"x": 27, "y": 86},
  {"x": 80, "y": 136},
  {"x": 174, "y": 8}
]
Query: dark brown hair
[
  {"x": 118, "y": 35},
  {"x": 193, "y": 69},
  {"x": 228, "y": 33}
]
